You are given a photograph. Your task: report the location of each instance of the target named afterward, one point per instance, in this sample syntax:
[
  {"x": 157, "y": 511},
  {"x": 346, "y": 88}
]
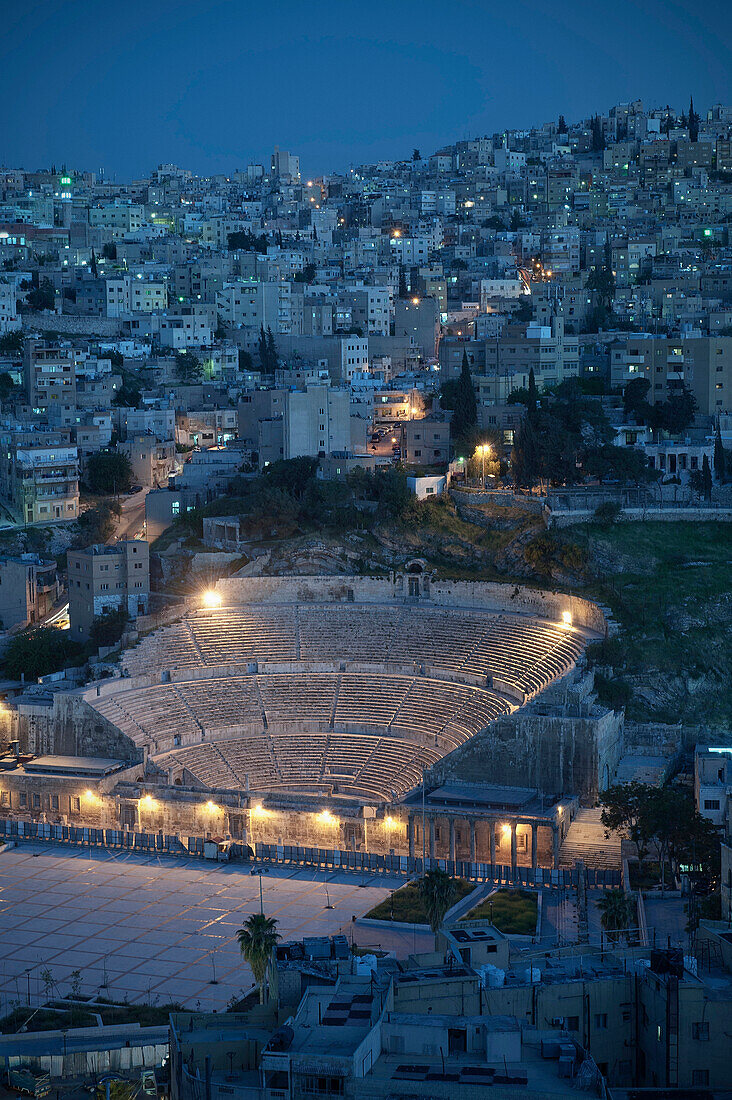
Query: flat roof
[{"x": 94, "y": 766}]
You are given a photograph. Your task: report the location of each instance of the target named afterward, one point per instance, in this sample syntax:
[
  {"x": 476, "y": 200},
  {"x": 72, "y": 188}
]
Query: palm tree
[
  {"x": 257, "y": 940},
  {"x": 615, "y": 908},
  {"x": 437, "y": 890}
]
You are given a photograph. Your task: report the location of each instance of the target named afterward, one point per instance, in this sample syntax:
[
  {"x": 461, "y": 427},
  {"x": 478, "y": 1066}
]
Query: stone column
[
  {"x": 432, "y": 838},
  {"x": 452, "y": 838},
  {"x": 534, "y": 845},
  {"x": 555, "y": 845},
  {"x": 471, "y": 826},
  {"x": 514, "y": 858},
  {"x": 492, "y": 838},
  {"x": 410, "y": 835}
]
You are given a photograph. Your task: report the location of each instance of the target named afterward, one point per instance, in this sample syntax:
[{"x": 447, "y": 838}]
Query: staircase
[{"x": 586, "y": 840}]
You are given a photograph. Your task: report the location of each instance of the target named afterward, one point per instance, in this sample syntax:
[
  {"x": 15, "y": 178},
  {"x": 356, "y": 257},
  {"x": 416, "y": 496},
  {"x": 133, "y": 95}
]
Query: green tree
[
  {"x": 625, "y": 809},
  {"x": 39, "y": 652},
  {"x": 693, "y": 121},
  {"x": 245, "y": 361},
  {"x": 616, "y": 914},
  {"x": 465, "y": 412},
  {"x": 257, "y": 940},
  {"x": 188, "y": 367},
  {"x": 263, "y": 351},
  {"x": 437, "y": 890},
  {"x": 635, "y": 398},
  {"x": 109, "y": 250},
  {"x": 706, "y": 479},
  {"x": 108, "y": 472},
  {"x": 93, "y": 264},
  {"x": 272, "y": 356},
  {"x": 562, "y": 125},
  {"x": 43, "y": 296},
  {"x": 11, "y": 343},
  {"x": 107, "y": 629},
  {"x": 525, "y": 458},
  {"x": 720, "y": 456}
]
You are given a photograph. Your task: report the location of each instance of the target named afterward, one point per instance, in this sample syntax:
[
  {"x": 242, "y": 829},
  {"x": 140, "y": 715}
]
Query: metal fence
[{"x": 325, "y": 859}]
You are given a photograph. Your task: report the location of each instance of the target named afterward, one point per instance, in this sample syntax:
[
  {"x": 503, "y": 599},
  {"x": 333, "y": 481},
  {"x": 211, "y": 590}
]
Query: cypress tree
[
  {"x": 465, "y": 413},
  {"x": 706, "y": 479},
  {"x": 720, "y": 458}
]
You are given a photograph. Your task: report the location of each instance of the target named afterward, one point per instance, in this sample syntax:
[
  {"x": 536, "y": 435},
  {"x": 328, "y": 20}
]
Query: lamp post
[{"x": 484, "y": 449}]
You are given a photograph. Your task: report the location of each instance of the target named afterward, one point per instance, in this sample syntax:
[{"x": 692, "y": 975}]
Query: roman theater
[{"x": 398, "y": 716}]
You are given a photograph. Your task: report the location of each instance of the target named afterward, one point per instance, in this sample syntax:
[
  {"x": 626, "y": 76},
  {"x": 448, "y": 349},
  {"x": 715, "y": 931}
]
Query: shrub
[{"x": 607, "y": 512}]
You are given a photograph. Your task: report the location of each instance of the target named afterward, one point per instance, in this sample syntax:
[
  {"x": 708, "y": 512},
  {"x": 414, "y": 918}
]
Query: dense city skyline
[{"x": 176, "y": 83}]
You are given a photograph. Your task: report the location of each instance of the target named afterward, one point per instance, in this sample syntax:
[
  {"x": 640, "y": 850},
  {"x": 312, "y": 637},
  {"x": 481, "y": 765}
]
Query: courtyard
[{"x": 153, "y": 929}]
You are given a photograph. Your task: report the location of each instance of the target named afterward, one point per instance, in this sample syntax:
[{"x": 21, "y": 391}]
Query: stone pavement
[{"x": 157, "y": 926}]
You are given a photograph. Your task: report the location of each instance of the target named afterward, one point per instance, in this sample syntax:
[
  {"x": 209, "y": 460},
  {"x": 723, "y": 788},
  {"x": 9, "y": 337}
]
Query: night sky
[{"x": 212, "y": 86}]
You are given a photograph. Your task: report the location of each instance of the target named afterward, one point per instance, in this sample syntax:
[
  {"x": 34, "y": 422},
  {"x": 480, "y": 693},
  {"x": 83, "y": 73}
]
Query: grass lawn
[
  {"x": 406, "y": 905},
  {"x": 514, "y": 911}
]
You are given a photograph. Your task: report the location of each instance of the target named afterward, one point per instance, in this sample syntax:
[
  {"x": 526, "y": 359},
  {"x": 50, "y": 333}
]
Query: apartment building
[
  {"x": 152, "y": 461},
  {"x": 9, "y": 320},
  {"x": 29, "y": 587},
  {"x": 39, "y": 474},
  {"x": 49, "y": 376},
  {"x": 106, "y": 577},
  {"x": 702, "y": 363},
  {"x": 552, "y": 353},
  {"x": 316, "y": 421}
]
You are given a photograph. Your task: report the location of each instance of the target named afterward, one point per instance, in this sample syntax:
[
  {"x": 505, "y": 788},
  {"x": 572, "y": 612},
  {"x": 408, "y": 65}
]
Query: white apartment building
[
  {"x": 119, "y": 218},
  {"x": 185, "y": 330},
  {"x": 317, "y": 421},
  {"x": 411, "y": 251}
]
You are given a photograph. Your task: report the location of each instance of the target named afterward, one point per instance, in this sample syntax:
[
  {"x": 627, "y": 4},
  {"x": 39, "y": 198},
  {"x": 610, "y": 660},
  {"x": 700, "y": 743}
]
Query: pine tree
[
  {"x": 525, "y": 459},
  {"x": 533, "y": 401},
  {"x": 93, "y": 264},
  {"x": 465, "y": 413},
  {"x": 720, "y": 458},
  {"x": 262, "y": 349},
  {"x": 693, "y": 121},
  {"x": 706, "y": 479},
  {"x": 562, "y": 126},
  {"x": 272, "y": 356},
  {"x": 403, "y": 288}
]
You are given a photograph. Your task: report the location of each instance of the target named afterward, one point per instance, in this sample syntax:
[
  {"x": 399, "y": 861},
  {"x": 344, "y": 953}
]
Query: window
[
  {"x": 4, "y": 798},
  {"x": 571, "y": 1023},
  {"x": 711, "y": 803},
  {"x": 54, "y": 802},
  {"x": 700, "y": 1077},
  {"x": 36, "y": 802},
  {"x": 75, "y": 804},
  {"x": 600, "y": 1020},
  {"x": 700, "y": 1030},
  {"x": 24, "y": 801}
]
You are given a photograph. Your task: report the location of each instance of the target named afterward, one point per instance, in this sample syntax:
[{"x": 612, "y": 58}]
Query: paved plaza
[{"x": 158, "y": 927}]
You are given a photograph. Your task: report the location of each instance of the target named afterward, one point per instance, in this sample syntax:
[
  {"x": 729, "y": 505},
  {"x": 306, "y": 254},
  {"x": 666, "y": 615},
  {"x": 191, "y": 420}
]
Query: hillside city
[{"x": 365, "y": 614}]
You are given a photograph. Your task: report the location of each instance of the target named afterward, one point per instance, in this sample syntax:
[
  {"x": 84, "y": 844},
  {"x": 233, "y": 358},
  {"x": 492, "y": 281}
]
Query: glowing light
[
  {"x": 327, "y": 818},
  {"x": 211, "y": 598},
  {"x": 506, "y": 830},
  {"x": 397, "y": 233},
  {"x": 90, "y": 796},
  {"x": 212, "y": 808},
  {"x": 259, "y": 811},
  {"x": 390, "y": 823},
  {"x": 147, "y": 802},
  {"x": 415, "y": 301},
  {"x": 567, "y": 618}
]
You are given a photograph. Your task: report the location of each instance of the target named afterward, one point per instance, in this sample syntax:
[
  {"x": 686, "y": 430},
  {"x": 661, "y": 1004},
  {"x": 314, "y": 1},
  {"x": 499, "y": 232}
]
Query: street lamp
[
  {"x": 483, "y": 450},
  {"x": 260, "y": 871}
]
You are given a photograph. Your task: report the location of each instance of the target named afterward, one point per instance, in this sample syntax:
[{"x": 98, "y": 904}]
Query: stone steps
[{"x": 586, "y": 840}]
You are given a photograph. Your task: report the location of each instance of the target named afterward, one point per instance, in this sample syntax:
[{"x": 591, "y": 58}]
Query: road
[{"x": 132, "y": 520}]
